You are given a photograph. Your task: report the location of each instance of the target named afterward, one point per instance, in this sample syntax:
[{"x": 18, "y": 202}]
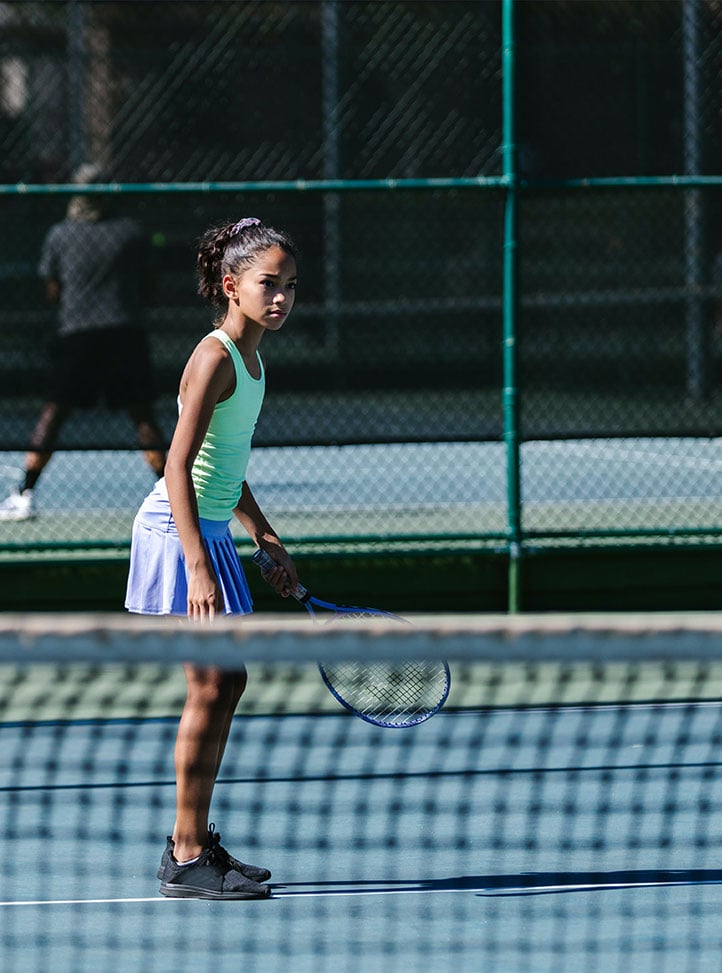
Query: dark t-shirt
[{"x": 100, "y": 266}]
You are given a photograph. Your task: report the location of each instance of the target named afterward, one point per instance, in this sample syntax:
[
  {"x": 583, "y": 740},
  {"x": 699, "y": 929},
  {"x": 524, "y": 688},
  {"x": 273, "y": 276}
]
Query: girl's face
[{"x": 266, "y": 290}]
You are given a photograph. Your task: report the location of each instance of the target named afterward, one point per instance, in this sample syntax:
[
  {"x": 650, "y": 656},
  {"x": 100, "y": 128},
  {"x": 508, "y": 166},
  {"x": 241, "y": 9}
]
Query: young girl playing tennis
[{"x": 183, "y": 560}]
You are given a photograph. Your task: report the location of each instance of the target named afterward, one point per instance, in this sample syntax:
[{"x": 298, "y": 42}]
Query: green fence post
[{"x": 510, "y": 305}]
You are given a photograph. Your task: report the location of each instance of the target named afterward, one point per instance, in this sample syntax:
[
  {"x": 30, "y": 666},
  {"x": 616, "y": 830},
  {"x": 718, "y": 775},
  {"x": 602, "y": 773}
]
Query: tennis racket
[{"x": 387, "y": 694}]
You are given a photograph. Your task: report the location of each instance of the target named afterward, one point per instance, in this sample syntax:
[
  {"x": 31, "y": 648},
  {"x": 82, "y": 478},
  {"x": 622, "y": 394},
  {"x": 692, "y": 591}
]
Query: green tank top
[{"x": 220, "y": 466}]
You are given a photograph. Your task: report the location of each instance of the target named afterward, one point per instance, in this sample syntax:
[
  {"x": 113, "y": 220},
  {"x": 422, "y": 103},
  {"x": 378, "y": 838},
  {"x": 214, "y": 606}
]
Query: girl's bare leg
[{"x": 212, "y": 697}]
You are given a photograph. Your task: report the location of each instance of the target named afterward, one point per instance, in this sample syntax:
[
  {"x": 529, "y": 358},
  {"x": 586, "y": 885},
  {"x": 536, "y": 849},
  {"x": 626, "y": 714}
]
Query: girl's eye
[{"x": 274, "y": 284}]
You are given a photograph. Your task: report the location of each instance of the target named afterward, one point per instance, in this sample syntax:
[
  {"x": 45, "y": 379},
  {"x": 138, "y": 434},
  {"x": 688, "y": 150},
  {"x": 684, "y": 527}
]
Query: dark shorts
[{"x": 109, "y": 366}]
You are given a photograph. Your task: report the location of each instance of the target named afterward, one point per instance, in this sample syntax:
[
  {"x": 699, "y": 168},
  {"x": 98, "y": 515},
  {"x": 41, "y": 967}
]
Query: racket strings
[
  {"x": 393, "y": 693},
  {"x": 365, "y": 615}
]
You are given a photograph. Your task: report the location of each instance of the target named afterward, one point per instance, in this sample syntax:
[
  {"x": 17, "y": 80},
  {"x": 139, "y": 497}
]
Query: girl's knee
[{"x": 213, "y": 687}]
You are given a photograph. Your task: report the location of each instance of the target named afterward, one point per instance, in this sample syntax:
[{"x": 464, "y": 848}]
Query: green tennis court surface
[
  {"x": 561, "y": 813},
  {"x": 432, "y": 490}
]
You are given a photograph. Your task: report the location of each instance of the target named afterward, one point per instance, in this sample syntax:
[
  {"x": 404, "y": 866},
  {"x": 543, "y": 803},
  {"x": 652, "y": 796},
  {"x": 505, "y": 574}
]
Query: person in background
[{"x": 96, "y": 269}]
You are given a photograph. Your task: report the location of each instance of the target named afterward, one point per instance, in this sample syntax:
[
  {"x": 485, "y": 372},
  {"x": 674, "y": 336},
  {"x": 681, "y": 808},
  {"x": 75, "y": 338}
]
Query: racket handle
[{"x": 266, "y": 563}]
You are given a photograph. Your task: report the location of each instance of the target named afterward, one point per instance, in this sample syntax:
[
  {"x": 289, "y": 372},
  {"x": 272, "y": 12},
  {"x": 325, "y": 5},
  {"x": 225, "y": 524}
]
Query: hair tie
[{"x": 242, "y": 224}]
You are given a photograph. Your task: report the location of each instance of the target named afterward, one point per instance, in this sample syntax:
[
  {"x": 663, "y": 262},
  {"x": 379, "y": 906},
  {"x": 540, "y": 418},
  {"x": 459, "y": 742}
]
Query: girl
[{"x": 183, "y": 560}]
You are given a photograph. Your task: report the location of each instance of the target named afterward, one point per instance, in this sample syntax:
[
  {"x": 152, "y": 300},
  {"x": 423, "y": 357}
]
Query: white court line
[
  {"x": 276, "y": 894},
  {"x": 25, "y": 902},
  {"x": 591, "y": 887},
  {"x": 489, "y": 890}
]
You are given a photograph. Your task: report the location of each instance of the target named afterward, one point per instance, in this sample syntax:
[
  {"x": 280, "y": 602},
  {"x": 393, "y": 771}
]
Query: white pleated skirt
[{"x": 157, "y": 577}]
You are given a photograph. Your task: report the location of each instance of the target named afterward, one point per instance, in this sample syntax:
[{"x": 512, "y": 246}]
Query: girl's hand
[
  {"x": 283, "y": 578},
  {"x": 204, "y": 596}
]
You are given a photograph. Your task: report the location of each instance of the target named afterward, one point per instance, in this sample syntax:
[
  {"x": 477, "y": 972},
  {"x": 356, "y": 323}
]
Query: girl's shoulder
[
  {"x": 218, "y": 348},
  {"x": 208, "y": 360}
]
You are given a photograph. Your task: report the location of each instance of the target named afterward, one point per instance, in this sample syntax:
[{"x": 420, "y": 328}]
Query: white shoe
[{"x": 18, "y": 506}]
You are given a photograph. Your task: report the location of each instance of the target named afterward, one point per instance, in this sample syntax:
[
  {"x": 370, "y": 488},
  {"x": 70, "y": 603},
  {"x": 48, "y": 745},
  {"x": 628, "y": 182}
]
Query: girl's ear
[{"x": 229, "y": 287}]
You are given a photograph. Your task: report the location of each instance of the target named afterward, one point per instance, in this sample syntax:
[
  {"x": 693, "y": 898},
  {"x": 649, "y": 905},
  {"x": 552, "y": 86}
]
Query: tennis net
[{"x": 562, "y": 812}]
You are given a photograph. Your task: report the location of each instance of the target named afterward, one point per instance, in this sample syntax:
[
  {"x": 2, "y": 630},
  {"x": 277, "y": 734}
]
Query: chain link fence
[{"x": 384, "y": 420}]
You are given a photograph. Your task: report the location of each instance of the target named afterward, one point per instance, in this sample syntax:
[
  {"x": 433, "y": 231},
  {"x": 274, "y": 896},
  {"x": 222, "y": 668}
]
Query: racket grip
[{"x": 266, "y": 563}]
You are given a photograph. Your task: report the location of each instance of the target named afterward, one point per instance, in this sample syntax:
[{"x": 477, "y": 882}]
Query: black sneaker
[
  {"x": 210, "y": 877},
  {"x": 254, "y": 872}
]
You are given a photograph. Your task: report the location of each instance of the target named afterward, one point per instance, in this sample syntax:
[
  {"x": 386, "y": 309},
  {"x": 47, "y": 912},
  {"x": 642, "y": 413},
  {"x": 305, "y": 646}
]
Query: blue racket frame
[
  {"x": 420, "y": 717},
  {"x": 266, "y": 563}
]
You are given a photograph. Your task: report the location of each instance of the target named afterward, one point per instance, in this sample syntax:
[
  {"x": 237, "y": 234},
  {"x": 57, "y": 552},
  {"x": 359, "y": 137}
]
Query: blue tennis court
[
  {"x": 502, "y": 839},
  {"x": 406, "y": 490}
]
